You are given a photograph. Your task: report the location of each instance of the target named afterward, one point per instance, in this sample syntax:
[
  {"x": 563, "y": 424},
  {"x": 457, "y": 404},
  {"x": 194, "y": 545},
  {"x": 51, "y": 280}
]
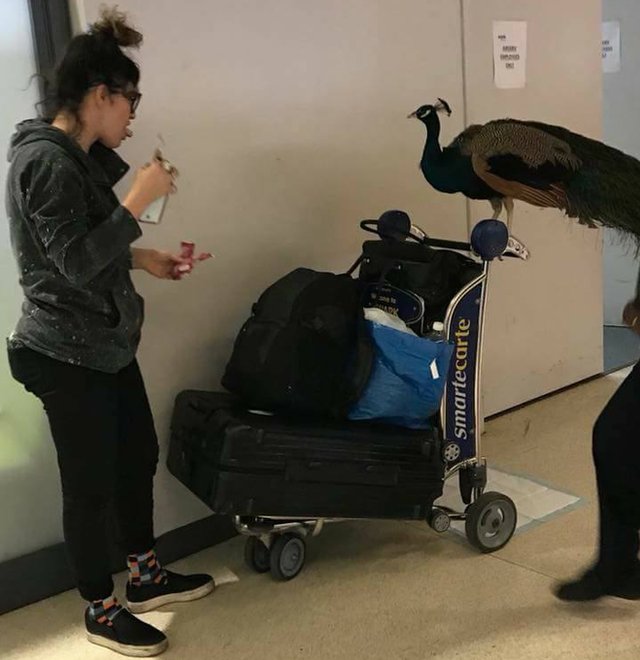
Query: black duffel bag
[{"x": 303, "y": 350}]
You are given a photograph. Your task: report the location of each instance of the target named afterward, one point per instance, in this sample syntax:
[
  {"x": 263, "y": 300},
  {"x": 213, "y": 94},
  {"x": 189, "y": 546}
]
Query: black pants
[
  {"x": 616, "y": 454},
  {"x": 107, "y": 450}
]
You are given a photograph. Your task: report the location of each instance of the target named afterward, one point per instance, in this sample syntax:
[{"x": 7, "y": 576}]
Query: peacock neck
[{"x": 432, "y": 150}]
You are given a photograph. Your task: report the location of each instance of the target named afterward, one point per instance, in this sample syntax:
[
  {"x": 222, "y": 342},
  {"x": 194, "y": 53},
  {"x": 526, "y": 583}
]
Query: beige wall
[
  {"x": 544, "y": 317},
  {"x": 288, "y": 122}
]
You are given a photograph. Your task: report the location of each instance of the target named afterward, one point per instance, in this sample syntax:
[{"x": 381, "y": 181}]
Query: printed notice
[
  {"x": 611, "y": 46},
  {"x": 509, "y": 54}
]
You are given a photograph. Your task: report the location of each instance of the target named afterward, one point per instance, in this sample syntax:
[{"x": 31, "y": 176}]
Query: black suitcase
[{"x": 247, "y": 464}]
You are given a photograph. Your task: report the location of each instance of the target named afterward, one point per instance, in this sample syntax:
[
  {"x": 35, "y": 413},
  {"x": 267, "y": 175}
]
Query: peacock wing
[
  {"x": 548, "y": 194},
  {"x": 509, "y": 137},
  {"x": 524, "y": 162}
]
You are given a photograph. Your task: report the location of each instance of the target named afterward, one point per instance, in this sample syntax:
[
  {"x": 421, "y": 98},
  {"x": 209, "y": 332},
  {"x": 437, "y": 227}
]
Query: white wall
[
  {"x": 621, "y": 109},
  {"x": 288, "y": 122},
  {"x": 544, "y": 317},
  {"x": 29, "y": 484}
]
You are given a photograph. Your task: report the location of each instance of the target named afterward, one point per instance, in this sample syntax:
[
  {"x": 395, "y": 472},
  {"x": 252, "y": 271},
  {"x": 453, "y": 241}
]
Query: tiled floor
[
  {"x": 387, "y": 590},
  {"x": 535, "y": 502}
]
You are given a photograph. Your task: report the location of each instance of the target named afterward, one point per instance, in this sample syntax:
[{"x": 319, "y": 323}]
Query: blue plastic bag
[{"x": 407, "y": 380}]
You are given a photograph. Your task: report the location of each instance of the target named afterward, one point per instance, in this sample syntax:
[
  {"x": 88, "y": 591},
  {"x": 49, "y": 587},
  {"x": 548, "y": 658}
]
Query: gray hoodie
[{"x": 71, "y": 240}]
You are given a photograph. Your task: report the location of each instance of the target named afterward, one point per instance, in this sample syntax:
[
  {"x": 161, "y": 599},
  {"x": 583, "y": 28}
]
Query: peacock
[{"x": 541, "y": 164}]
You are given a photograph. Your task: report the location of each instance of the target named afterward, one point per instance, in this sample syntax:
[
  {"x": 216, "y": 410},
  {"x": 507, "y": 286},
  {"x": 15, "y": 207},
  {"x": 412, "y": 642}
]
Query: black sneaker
[
  {"x": 175, "y": 588},
  {"x": 591, "y": 587},
  {"x": 127, "y": 635}
]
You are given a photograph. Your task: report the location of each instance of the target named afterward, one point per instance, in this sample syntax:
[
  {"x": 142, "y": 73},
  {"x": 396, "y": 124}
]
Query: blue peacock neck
[{"x": 432, "y": 150}]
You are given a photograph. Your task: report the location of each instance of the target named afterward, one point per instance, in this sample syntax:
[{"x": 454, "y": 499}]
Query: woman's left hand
[{"x": 163, "y": 265}]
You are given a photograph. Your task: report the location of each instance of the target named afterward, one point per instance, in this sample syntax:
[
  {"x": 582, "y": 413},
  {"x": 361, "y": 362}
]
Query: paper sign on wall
[
  {"x": 509, "y": 54},
  {"x": 611, "y": 46}
]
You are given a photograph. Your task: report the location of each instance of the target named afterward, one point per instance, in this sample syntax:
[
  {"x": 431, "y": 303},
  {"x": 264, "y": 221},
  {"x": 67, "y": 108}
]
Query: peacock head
[{"x": 425, "y": 111}]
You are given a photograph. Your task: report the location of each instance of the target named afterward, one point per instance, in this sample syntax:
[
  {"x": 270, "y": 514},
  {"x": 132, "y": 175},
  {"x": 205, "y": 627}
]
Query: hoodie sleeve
[{"x": 55, "y": 201}]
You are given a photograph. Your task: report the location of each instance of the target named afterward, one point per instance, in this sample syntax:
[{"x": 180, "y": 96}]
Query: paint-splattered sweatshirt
[{"x": 71, "y": 239}]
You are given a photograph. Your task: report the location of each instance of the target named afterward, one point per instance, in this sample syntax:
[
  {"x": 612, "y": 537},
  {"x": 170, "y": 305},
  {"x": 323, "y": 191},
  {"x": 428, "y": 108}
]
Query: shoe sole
[
  {"x": 128, "y": 649},
  {"x": 595, "y": 597},
  {"x": 159, "y": 601}
]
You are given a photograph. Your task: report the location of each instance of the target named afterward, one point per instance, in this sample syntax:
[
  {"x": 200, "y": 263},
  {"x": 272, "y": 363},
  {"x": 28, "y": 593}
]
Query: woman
[
  {"x": 74, "y": 346},
  {"x": 616, "y": 455}
]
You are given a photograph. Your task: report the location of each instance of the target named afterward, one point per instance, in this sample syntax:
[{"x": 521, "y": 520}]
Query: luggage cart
[{"x": 277, "y": 544}]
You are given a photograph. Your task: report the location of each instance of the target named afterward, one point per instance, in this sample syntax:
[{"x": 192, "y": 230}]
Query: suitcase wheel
[
  {"x": 256, "y": 555},
  {"x": 491, "y": 521},
  {"x": 287, "y": 556},
  {"x": 439, "y": 520}
]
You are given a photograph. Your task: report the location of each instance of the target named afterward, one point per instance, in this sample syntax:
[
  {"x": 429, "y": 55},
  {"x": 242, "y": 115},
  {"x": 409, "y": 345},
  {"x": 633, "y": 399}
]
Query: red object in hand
[{"x": 187, "y": 249}]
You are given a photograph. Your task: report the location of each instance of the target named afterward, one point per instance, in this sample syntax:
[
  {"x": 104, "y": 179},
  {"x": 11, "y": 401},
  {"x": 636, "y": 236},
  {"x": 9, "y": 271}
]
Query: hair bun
[{"x": 113, "y": 25}]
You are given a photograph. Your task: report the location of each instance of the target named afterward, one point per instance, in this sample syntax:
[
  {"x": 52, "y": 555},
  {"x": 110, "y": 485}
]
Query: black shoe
[
  {"x": 127, "y": 635},
  {"x": 591, "y": 587},
  {"x": 174, "y": 589}
]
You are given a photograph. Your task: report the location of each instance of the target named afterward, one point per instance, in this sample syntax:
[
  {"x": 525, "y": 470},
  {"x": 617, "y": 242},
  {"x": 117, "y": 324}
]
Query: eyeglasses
[{"x": 133, "y": 97}]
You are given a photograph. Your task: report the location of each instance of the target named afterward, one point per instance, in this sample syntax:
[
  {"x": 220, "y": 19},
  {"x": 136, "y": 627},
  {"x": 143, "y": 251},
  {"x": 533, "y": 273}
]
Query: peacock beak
[{"x": 413, "y": 115}]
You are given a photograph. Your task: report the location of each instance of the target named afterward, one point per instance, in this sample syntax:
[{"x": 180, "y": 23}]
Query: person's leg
[
  {"x": 137, "y": 460},
  {"x": 136, "y": 467},
  {"x": 618, "y": 502},
  {"x": 616, "y": 455},
  {"x": 149, "y": 585},
  {"x": 82, "y": 408}
]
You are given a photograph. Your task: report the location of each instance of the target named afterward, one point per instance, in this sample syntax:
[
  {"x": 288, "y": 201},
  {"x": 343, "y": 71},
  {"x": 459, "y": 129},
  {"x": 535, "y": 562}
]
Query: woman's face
[{"x": 116, "y": 115}]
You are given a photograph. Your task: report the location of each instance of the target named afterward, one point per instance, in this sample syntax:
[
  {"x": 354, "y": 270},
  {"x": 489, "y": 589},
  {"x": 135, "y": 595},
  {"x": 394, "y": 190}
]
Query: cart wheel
[
  {"x": 287, "y": 556},
  {"x": 256, "y": 555},
  {"x": 439, "y": 520},
  {"x": 491, "y": 521},
  {"x": 451, "y": 452}
]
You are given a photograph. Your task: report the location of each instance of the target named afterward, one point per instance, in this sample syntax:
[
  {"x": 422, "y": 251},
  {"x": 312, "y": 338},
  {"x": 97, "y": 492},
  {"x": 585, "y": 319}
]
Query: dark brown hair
[{"x": 93, "y": 58}]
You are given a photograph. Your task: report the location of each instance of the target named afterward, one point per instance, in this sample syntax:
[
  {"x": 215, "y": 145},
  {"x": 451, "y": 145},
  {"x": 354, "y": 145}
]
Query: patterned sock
[
  {"x": 105, "y": 611},
  {"x": 145, "y": 569}
]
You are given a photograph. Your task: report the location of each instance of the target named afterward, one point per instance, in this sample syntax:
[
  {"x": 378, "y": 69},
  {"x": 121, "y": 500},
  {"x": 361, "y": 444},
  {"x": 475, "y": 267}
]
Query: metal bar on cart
[
  {"x": 281, "y": 524},
  {"x": 450, "y": 245},
  {"x": 483, "y": 308}
]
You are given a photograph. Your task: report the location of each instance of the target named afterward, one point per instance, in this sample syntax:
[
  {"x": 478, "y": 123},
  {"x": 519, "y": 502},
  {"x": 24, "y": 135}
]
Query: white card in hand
[{"x": 153, "y": 212}]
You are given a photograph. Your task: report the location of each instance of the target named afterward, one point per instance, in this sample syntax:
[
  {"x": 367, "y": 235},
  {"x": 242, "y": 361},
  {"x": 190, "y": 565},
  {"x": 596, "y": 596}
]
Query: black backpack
[{"x": 304, "y": 349}]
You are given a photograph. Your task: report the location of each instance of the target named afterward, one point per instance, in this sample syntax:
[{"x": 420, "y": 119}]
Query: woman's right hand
[{"x": 151, "y": 182}]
